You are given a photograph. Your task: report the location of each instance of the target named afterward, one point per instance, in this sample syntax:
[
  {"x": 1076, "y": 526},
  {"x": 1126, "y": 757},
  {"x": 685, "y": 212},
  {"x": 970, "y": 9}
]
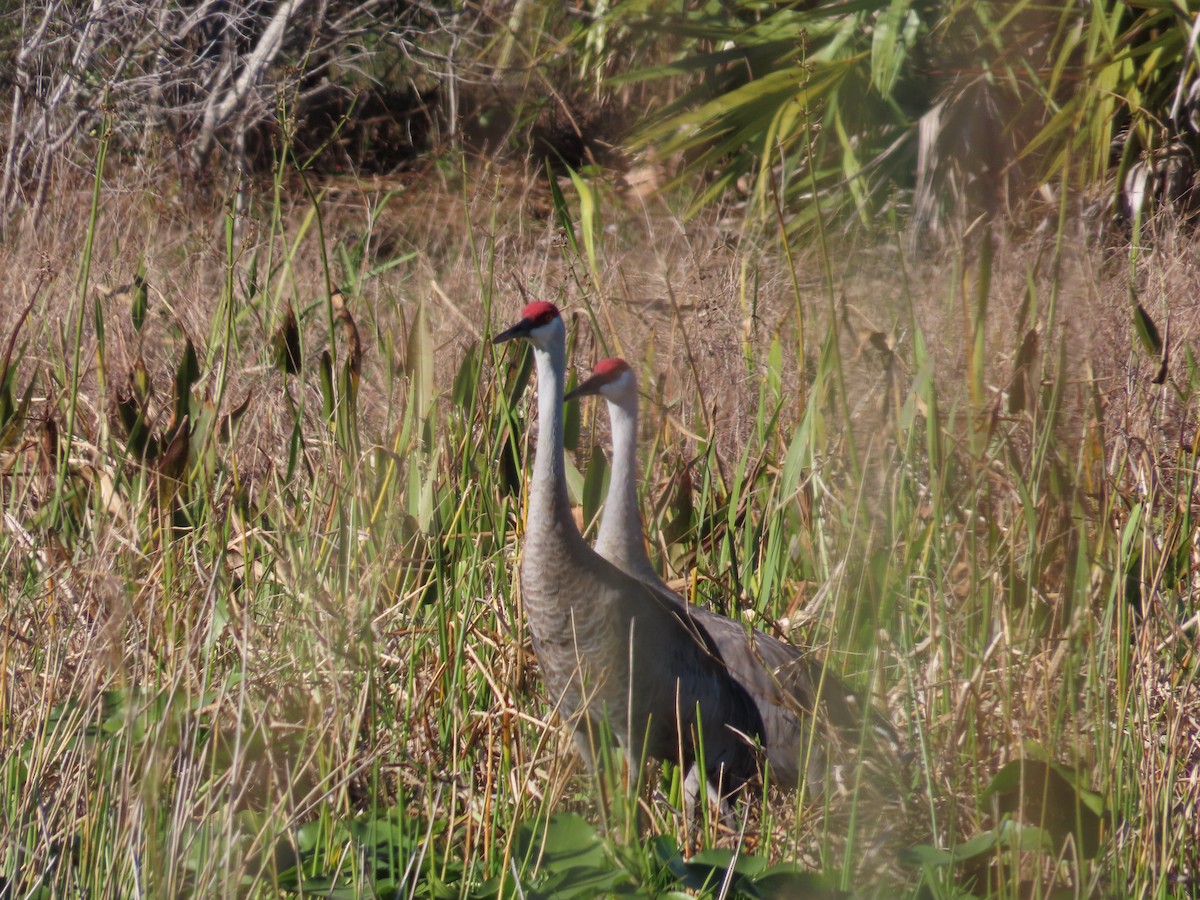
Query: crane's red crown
[
  {"x": 604, "y": 373},
  {"x": 539, "y": 313},
  {"x": 613, "y": 367},
  {"x": 533, "y": 316}
]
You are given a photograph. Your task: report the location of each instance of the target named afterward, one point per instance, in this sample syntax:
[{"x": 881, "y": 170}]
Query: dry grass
[{"x": 979, "y": 590}]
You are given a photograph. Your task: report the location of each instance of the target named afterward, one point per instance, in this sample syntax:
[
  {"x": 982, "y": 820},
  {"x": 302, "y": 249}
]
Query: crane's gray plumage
[
  {"x": 787, "y": 684},
  {"x": 609, "y": 646}
]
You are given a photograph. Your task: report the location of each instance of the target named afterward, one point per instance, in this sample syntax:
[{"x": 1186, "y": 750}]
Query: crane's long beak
[
  {"x": 587, "y": 388},
  {"x": 520, "y": 330}
]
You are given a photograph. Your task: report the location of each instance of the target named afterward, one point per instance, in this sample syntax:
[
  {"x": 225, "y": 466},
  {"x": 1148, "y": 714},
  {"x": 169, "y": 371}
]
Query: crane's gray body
[
  {"x": 611, "y": 648},
  {"x": 787, "y": 684}
]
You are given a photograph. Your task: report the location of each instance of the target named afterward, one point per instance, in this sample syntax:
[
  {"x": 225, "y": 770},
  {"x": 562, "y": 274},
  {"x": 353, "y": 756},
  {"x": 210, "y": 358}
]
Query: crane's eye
[{"x": 539, "y": 313}]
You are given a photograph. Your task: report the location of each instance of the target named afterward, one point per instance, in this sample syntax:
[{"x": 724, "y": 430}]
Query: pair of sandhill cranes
[{"x": 617, "y": 646}]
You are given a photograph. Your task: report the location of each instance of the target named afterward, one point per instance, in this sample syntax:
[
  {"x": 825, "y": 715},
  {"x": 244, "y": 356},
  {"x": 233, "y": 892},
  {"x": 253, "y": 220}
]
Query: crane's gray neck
[
  {"x": 621, "y": 538},
  {"x": 548, "y": 502}
]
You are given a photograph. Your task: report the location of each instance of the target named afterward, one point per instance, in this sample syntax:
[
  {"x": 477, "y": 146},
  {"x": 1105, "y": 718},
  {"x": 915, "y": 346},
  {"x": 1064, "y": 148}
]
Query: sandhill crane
[
  {"x": 787, "y": 683},
  {"x": 610, "y": 647}
]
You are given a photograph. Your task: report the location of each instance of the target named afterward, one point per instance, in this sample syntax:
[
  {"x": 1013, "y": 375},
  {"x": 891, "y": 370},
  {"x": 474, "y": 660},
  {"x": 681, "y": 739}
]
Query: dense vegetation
[{"x": 913, "y": 311}]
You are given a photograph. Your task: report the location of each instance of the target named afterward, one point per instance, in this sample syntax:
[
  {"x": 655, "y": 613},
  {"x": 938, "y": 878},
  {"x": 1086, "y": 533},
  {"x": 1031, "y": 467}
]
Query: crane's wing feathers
[{"x": 785, "y": 675}]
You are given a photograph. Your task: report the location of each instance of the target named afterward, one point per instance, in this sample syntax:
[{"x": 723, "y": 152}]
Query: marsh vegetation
[{"x": 262, "y": 475}]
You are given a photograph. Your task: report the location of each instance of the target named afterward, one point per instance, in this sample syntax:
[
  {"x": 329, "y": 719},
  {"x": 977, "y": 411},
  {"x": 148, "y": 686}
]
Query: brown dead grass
[{"x": 686, "y": 299}]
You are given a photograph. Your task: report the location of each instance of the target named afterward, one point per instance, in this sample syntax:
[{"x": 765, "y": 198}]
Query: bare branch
[{"x": 203, "y": 71}]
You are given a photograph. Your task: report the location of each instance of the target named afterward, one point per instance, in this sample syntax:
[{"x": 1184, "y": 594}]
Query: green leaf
[
  {"x": 582, "y": 881},
  {"x": 564, "y": 836},
  {"x": 510, "y": 461},
  {"x": 710, "y": 868},
  {"x": 285, "y": 343},
  {"x": 389, "y": 264},
  {"x": 1009, "y": 835},
  {"x": 595, "y": 485},
  {"x": 926, "y": 855},
  {"x": 562, "y": 211},
  {"x": 140, "y": 300},
  {"x": 572, "y": 419},
  {"x": 664, "y": 849},
  {"x": 328, "y": 399},
  {"x": 13, "y": 421},
  {"x": 572, "y": 860},
  {"x": 6, "y": 398},
  {"x": 1025, "y": 838},
  {"x": 98, "y": 316},
  {"x": 722, "y": 859},
  {"x": 787, "y": 881},
  {"x": 574, "y": 483},
  {"x": 1146, "y": 330},
  {"x": 894, "y": 33},
  {"x": 186, "y": 375},
  {"x": 1048, "y": 796},
  {"x": 519, "y": 375},
  {"x": 589, "y": 219},
  {"x": 420, "y": 359},
  {"x": 466, "y": 380},
  {"x": 251, "y": 285}
]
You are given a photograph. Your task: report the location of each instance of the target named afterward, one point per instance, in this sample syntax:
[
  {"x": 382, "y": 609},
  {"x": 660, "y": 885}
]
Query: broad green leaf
[
  {"x": 12, "y": 421},
  {"x": 328, "y": 398},
  {"x": 572, "y": 415},
  {"x": 420, "y": 360},
  {"x": 1038, "y": 793},
  {"x": 926, "y": 855},
  {"x": 565, "y": 842},
  {"x": 466, "y": 380},
  {"x": 595, "y": 485},
  {"x": 518, "y": 376},
  {"x": 562, "y": 211},
  {"x": 186, "y": 375},
  {"x": 589, "y": 219},
  {"x": 140, "y": 300},
  {"x": 1146, "y": 330},
  {"x": 574, "y": 484},
  {"x": 788, "y": 881},
  {"x": 894, "y": 33}
]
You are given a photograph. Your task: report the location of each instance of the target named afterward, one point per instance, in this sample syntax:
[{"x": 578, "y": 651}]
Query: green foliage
[
  {"x": 285, "y": 343},
  {"x": 140, "y": 300},
  {"x": 1042, "y": 809},
  {"x": 1146, "y": 330},
  {"x": 1135, "y": 64},
  {"x": 794, "y": 98},
  {"x": 741, "y": 875},
  {"x": 595, "y": 485},
  {"x": 562, "y": 857},
  {"x": 827, "y": 108},
  {"x": 262, "y": 634},
  {"x": 14, "y": 407},
  {"x": 389, "y": 854},
  {"x": 568, "y": 859}
]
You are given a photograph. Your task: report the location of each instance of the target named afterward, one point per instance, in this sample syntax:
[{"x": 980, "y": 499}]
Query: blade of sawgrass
[
  {"x": 589, "y": 221},
  {"x": 85, "y": 270}
]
